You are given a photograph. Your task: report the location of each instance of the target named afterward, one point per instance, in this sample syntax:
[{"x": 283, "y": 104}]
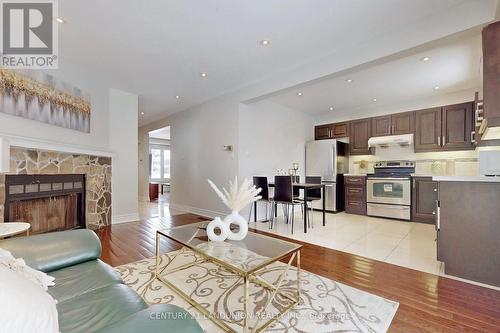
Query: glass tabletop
[{"x": 246, "y": 256}]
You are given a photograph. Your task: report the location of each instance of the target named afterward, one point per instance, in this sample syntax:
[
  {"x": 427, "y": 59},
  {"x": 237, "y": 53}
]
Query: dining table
[{"x": 304, "y": 187}]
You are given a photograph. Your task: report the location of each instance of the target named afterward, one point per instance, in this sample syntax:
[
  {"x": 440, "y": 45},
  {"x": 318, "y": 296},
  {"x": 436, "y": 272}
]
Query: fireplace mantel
[{"x": 54, "y": 146}]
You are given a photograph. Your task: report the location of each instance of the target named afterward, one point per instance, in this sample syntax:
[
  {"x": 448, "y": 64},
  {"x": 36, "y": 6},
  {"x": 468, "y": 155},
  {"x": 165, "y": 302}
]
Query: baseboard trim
[
  {"x": 197, "y": 211},
  {"x": 124, "y": 218}
]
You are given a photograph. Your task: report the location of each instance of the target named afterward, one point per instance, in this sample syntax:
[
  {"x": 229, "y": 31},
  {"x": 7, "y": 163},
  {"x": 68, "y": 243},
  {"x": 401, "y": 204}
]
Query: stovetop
[{"x": 393, "y": 169}]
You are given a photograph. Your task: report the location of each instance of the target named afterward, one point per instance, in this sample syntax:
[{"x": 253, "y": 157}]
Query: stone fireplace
[{"x": 55, "y": 210}]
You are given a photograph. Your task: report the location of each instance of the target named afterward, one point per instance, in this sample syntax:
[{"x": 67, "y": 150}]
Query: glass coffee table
[{"x": 245, "y": 258}]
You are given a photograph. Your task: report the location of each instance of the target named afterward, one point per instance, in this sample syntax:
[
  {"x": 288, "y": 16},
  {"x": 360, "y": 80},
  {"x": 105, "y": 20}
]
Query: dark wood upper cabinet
[
  {"x": 424, "y": 196},
  {"x": 360, "y": 132},
  {"x": 428, "y": 130},
  {"x": 322, "y": 132},
  {"x": 457, "y": 126},
  {"x": 403, "y": 123},
  {"x": 331, "y": 131},
  {"x": 340, "y": 130},
  {"x": 491, "y": 74},
  {"x": 381, "y": 126},
  {"x": 394, "y": 124}
]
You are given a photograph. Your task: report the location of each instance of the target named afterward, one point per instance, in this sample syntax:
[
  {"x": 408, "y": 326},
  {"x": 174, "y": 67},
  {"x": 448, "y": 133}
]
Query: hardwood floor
[{"x": 427, "y": 303}]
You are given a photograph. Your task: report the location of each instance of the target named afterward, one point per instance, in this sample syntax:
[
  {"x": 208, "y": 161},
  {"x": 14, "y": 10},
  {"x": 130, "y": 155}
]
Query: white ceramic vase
[
  {"x": 236, "y": 218},
  {"x": 225, "y": 228}
]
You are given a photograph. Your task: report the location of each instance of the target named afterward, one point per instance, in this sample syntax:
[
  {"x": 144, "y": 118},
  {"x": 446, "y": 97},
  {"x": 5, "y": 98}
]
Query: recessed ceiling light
[
  {"x": 142, "y": 113},
  {"x": 374, "y": 99},
  {"x": 425, "y": 59},
  {"x": 299, "y": 94},
  {"x": 349, "y": 80},
  {"x": 436, "y": 87},
  {"x": 60, "y": 20},
  {"x": 331, "y": 108},
  {"x": 265, "y": 42},
  {"x": 203, "y": 74},
  {"x": 177, "y": 96}
]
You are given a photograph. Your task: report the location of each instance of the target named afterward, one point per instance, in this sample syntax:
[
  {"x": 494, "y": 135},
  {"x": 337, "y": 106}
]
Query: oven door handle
[
  {"x": 388, "y": 178},
  {"x": 398, "y": 207}
]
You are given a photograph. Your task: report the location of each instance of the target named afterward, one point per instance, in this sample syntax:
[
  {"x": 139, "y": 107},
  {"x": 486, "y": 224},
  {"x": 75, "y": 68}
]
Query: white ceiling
[
  {"x": 157, "y": 48},
  {"x": 454, "y": 65},
  {"x": 162, "y": 133}
]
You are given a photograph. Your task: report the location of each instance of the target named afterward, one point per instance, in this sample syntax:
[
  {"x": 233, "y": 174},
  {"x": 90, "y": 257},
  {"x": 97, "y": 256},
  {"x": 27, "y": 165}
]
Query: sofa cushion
[
  {"x": 79, "y": 279},
  {"x": 98, "y": 308},
  {"x": 158, "y": 318}
]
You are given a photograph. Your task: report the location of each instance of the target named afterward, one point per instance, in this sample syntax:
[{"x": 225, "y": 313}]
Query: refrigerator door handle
[{"x": 333, "y": 160}]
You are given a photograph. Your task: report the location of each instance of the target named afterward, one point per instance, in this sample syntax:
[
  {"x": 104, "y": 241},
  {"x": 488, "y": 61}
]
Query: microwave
[{"x": 489, "y": 163}]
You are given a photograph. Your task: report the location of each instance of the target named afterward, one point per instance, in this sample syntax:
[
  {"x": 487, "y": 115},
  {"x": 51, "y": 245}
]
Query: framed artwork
[{"x": 41, "y": 97}]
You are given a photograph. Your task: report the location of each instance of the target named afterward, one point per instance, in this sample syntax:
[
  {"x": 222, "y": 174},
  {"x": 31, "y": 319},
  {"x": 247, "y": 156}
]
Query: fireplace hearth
[{"x": 47, "y": 202}]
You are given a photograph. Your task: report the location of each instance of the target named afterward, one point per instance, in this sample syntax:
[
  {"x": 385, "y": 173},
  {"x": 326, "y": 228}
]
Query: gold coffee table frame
[{"x": 247, "y": 276}]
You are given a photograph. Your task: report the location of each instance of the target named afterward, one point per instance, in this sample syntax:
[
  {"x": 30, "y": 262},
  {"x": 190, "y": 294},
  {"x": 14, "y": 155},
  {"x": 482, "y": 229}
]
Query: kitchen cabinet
[
  {"x": 468, "y": 229},
  {"x": 428, "y": 130},
  {"x": 457, "y": 126},
  {"x": 491, "y": 74},
  {"x": 395, "y": 124},
  {"x": 424, "y": 197},
  {"x": 360, "y": 132},
  {"x": 340, "y": 130},
  {"x": 355, "y": 194},
  {"x": 381, "y": 126},
  {"x": 331, "y": 131},
  {"x": 403, "y": 123},
  {"x": 322, "y": 132},
  {"x": 444, "y": 129}
]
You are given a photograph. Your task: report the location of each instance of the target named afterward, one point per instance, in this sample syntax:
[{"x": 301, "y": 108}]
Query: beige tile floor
[{"x": 407, "y": 244}]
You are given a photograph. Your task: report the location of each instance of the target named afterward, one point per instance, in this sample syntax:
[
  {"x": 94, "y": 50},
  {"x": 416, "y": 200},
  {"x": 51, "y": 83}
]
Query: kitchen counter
[{"x": 482, "y": 179}]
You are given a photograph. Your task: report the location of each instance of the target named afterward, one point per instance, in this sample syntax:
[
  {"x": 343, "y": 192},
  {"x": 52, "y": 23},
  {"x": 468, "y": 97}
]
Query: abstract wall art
[{"x": 39, "y": 96}]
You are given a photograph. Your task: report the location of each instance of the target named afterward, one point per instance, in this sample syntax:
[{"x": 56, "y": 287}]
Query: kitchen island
[{"x": 468, "y": 225}]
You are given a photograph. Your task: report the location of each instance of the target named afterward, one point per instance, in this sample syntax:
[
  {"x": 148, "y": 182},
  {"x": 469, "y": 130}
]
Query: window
[{"x": 160, "y": 163}]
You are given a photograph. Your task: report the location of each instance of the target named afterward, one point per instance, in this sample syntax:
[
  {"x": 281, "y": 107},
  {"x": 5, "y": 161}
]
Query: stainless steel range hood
[{"x": 391, "y": 140}]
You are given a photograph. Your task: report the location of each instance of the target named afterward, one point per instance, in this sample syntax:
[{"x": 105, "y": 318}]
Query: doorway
[{"x": 159, "y": 174}]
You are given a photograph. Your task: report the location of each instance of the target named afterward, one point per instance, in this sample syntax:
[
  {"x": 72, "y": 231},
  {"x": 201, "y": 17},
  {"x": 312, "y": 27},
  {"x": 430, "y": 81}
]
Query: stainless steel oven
[
  {"x": 394, "y": 191},
  {"x": 388, "y": 191}
]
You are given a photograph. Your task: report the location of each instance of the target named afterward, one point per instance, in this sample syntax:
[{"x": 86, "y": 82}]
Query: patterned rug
[{"x": 326, "y": 305}]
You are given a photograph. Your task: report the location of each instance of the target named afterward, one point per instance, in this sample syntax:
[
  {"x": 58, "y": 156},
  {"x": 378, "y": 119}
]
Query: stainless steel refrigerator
[{"x": 330, "y": 160}]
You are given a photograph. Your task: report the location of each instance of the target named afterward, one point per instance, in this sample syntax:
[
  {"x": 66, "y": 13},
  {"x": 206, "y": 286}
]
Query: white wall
[
  {"x": 123, "y": 110},
  {"x": 197, "y": 139},
  {"x": 271, "y": 137},
  {"x": 88, "y": 81}
]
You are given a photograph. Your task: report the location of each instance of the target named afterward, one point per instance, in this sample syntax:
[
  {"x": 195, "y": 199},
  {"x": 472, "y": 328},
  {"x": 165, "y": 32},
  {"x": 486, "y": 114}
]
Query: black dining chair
[
  {"x": 296, "y": 191},
  {"x": 313, "y": 195},
  {"x": 283, "y": 194},
  {"x": 261, "y": 182}
]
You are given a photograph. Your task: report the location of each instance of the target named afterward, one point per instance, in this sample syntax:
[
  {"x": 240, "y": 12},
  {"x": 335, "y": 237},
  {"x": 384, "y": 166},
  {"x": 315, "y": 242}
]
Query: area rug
[{"x": 326, "y": 305}]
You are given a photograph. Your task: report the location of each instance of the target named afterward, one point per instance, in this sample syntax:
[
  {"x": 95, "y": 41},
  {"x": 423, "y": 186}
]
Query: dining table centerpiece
[{"x": 236, "y": 198}]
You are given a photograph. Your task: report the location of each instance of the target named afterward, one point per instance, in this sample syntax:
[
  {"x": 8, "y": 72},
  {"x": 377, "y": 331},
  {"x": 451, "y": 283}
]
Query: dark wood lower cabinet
[
  {"x": 469, "y": 229},
  {"x": 424, "y": 197},
  {"x": 355, "y": 195}
]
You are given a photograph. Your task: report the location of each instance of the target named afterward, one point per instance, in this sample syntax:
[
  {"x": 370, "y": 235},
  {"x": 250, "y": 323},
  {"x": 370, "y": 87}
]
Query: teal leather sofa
[{"x": 91, "y": 297}]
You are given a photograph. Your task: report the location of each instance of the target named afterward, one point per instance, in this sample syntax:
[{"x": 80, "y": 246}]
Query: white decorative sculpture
[{"x": 235, "y": 199}]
